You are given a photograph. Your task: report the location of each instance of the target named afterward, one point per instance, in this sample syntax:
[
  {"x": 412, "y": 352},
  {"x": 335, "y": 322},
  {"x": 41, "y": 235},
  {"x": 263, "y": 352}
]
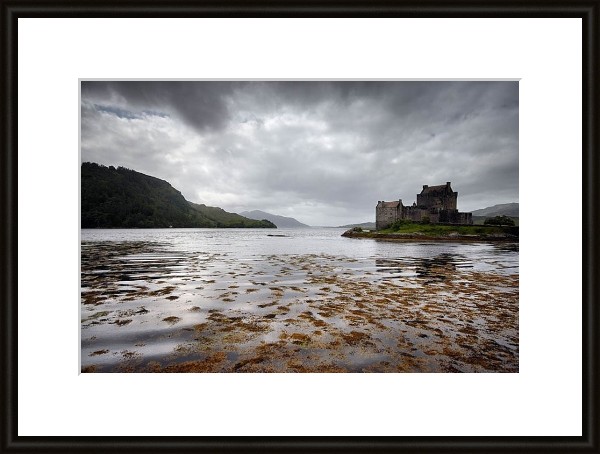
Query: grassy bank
[{"x": 413, "y": 230}]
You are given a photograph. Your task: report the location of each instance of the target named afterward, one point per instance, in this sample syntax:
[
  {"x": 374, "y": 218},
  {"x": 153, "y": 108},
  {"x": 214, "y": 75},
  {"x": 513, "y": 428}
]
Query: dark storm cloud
[
  {"x": 202, "y": 105},
  {"x": 323, "y": 152}
]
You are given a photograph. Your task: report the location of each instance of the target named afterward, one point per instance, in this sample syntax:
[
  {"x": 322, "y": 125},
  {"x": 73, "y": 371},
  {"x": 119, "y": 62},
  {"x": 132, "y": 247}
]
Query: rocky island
[{"x": 412, "y": 231}]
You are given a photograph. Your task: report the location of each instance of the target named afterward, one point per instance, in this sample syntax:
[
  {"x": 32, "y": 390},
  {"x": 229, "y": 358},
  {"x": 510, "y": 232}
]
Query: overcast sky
[{"x": 321, "y": 152}]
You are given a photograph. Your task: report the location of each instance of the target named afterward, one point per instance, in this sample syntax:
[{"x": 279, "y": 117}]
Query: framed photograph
[
  {"x": 173, "y": 285},
  {"x": 341, "y": 226}
]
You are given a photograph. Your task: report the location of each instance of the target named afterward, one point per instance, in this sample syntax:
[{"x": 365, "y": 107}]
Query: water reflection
[
  {"x": 434, "y": 269},
  {"x": 115, "y": 265},
  {"x": 506, "y": 247}
]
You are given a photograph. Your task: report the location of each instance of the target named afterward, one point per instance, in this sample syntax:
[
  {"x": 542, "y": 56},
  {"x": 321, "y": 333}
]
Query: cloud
[
  {"x": 202, "y": 105},
  {"x": 323, "y": 152}
]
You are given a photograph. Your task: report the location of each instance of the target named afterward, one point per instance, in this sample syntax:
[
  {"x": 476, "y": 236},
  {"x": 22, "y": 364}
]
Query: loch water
[{"x": 294, "y": 300}]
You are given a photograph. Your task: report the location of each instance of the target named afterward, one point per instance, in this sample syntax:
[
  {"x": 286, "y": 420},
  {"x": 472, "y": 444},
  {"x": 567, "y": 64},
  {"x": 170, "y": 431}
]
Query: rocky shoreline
[{"x": 416, "y": 236}]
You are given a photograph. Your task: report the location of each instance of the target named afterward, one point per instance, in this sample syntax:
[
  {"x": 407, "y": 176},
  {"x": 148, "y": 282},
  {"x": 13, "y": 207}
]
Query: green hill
[
  {"x": 504, "y": 209},
  {"x": 222, "y": 218},
  {"x": 120, "y": 197}
]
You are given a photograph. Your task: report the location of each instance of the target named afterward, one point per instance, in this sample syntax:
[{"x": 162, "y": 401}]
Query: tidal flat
[{"x": 245, "y": 302}]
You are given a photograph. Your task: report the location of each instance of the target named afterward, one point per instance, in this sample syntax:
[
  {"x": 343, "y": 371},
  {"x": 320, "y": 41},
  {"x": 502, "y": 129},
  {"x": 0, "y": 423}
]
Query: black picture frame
[{"x": 588, "y": 11}]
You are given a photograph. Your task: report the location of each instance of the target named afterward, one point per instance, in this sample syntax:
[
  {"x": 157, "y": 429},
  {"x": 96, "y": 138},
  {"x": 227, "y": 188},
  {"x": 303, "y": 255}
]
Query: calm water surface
[{"x": 252, "y": 244}]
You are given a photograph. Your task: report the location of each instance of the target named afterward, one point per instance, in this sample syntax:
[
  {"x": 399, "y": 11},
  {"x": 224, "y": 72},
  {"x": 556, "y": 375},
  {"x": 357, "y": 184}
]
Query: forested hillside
[{"x": 120, "y": 197}]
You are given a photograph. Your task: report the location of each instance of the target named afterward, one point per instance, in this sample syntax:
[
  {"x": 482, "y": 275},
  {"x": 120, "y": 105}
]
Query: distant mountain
[
  {"x": 120, "y": 197},
  {"x": 364, "y": 225},
  {"x": 504, "y": 209},
  {"x": 280, "y": 221}
]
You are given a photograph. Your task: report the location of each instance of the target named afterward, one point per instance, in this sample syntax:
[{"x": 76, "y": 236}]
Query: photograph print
[{"x": 299, "y": 226}]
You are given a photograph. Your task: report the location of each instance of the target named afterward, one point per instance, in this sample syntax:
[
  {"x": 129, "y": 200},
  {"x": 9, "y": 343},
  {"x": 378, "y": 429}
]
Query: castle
[{"x": 435, "y": 204}]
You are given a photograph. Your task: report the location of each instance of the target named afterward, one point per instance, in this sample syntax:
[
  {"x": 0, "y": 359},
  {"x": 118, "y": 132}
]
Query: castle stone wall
[{"x": 386, "y": 216}]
